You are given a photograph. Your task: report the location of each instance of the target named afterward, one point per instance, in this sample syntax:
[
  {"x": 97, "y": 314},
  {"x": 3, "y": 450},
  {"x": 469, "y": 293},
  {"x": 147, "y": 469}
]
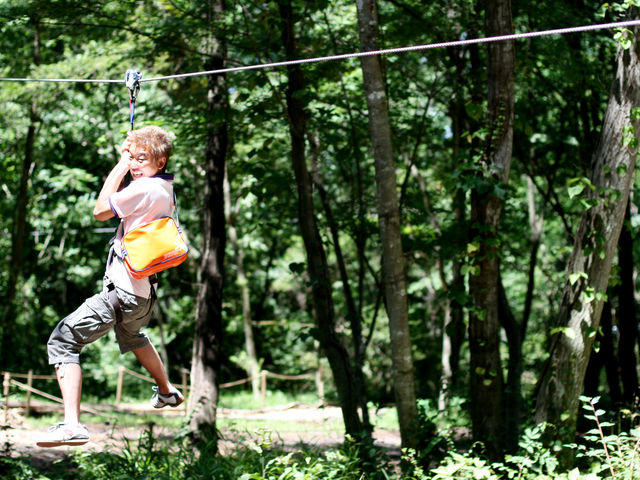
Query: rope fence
[{"x": 9, "y": 380}]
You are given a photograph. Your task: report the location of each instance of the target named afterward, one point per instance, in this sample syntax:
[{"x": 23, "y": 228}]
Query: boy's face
[{"x": 142, "y": 163}]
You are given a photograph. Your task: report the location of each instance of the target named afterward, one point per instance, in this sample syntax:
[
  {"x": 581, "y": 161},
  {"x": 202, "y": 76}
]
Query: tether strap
[
  {"x": 132, "y": 81},
  {"x": 132, "y": 110}
]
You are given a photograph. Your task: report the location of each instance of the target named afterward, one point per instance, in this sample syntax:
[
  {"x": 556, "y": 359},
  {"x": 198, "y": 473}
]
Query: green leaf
[
  {"x": 575, "y": 190},
  {"x": 574, "y": 277}
]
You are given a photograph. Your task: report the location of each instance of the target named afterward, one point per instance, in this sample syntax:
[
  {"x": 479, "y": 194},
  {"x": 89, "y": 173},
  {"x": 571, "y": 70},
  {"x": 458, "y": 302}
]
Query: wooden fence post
[
  {"x": 119, "y": 386},
  {"x": 30, "y": 383},
  {"x": 5, "y": 391}
]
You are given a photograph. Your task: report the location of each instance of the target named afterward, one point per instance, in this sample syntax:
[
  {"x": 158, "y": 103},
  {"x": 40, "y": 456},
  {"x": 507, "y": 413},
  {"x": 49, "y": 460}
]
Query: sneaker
[
  {"x": 160, "y": 400},
  {"x": 65, "y": 434}
]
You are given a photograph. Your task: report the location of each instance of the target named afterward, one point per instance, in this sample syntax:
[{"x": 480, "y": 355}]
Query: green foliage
[
  {"x": 259, "y": 460},
  {"x": 19, "y": 470},
  {"x": 609, "y": 451}
]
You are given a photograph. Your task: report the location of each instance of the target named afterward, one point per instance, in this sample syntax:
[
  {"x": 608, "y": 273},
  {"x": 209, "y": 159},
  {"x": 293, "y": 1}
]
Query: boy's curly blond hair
[{"x": 156, "y": 139}]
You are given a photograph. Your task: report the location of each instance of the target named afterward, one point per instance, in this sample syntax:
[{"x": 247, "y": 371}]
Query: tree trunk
[
  {"x": 18, "y": 231},
  {"x": 487, "y": 409},
  {"x": 515, "y": 332},
  {"x": 336, "y": 353},
  {"x": 513, "y": 391},
  {"x": 561, "y": 381},
  {"x": 463, "y": 59},
  {"x": 393, "y": 264},
  {"x": 626, "y": 316},
  {"x": 252, "y": 365},
  {"x": 205, "y": 368},
  {"x": 456, "y": 328},
  {"x": 355, "y": 319}
]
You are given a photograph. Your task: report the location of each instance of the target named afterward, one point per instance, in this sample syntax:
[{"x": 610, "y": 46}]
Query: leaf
[
  {"x": 575, "y": 190},
  {"x": 574, "y": 277},
  {"x": 568, "y": 331}
]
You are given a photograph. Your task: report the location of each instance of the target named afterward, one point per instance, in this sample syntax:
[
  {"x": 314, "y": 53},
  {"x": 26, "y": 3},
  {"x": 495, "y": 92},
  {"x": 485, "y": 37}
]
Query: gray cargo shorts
[{"x": 94, "y": 318}]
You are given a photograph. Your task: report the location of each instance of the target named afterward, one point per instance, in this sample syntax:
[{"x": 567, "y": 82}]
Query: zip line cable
[{"x": 389, "y": 51}]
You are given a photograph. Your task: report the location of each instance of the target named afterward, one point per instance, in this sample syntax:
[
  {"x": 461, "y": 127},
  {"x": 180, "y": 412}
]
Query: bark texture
[
  {"x": 486, "y": 382},
  {"x": 393, "y": 263},
  {"x": 561, "y": 381},
  {"x": 205, "y": 367}
]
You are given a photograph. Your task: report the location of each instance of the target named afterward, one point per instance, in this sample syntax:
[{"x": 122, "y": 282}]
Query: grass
[
  {"x": 244, "y": 400},
  {"x": 117, "y": 418},
  {"x": 240, "y": 416},
  {"x": 331, "y": 427}
]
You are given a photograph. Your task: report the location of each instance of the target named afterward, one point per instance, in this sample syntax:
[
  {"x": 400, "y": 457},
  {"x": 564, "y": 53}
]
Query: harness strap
[{"x": 153, "y": 280}]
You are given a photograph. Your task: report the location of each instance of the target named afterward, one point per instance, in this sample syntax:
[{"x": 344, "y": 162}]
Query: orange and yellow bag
[{"x": 153, "y": 247}]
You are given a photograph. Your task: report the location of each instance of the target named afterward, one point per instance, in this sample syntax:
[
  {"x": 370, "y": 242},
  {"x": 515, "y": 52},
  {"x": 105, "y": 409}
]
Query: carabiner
[{"x": 132, "y": 81}]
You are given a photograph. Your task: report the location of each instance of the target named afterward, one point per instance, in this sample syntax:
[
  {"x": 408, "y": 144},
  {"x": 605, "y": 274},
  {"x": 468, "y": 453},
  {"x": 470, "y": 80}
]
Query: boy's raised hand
[{"x": 125, "y": 156}]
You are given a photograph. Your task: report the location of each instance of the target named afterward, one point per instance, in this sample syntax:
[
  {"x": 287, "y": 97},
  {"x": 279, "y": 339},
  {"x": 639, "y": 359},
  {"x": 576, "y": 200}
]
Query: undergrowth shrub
[
  {"x": 259, "y": 459},
  {"x": 606, "y": 451}
]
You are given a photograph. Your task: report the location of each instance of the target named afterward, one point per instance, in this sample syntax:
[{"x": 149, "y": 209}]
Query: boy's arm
[{"x": 102, "y": 211}]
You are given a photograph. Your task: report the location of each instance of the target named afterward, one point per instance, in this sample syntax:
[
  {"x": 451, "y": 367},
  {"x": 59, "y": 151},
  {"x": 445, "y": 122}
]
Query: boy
[{"x": 125, "y": 303}]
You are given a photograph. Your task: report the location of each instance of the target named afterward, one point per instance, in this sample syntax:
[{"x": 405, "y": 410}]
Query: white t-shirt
[{"x": 140, "y": 202}]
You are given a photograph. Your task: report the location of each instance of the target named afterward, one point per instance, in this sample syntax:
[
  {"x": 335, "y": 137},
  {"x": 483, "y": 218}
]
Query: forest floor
[{"x": 291, "y": 426}]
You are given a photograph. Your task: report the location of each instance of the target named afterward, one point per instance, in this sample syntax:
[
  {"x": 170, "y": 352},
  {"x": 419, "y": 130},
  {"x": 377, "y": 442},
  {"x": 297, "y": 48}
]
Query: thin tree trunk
[
  {"x": 471, "y": 81},
  {"x": 513, "y": 388},
  {"x": 446, "y": 377},
  {"x": 18, "y": 232},
  {"x": 535, "y": 226},
  {"x": 456, "y": 328},
  {"x": 355, "y": 319},
  {"x": 393, "y": 263},
  {"x": 487, "y": 408},
  {"x": 253, "y": 366},
  {"x": 336, "y": 353},
  {"x": 205, "y": 367},
  {"x": 515, "y": 332},
  {"x": 561, "y": 382}
]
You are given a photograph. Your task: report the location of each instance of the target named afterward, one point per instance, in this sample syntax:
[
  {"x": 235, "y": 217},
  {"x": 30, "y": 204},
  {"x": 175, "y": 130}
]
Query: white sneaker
[
  {"x": 64, "y": 434},
  {"x": 160, "y": 400}
]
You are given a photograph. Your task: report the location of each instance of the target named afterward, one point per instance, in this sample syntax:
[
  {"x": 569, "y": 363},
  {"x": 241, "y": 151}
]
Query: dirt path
[{"x": 303, "y": 425}]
